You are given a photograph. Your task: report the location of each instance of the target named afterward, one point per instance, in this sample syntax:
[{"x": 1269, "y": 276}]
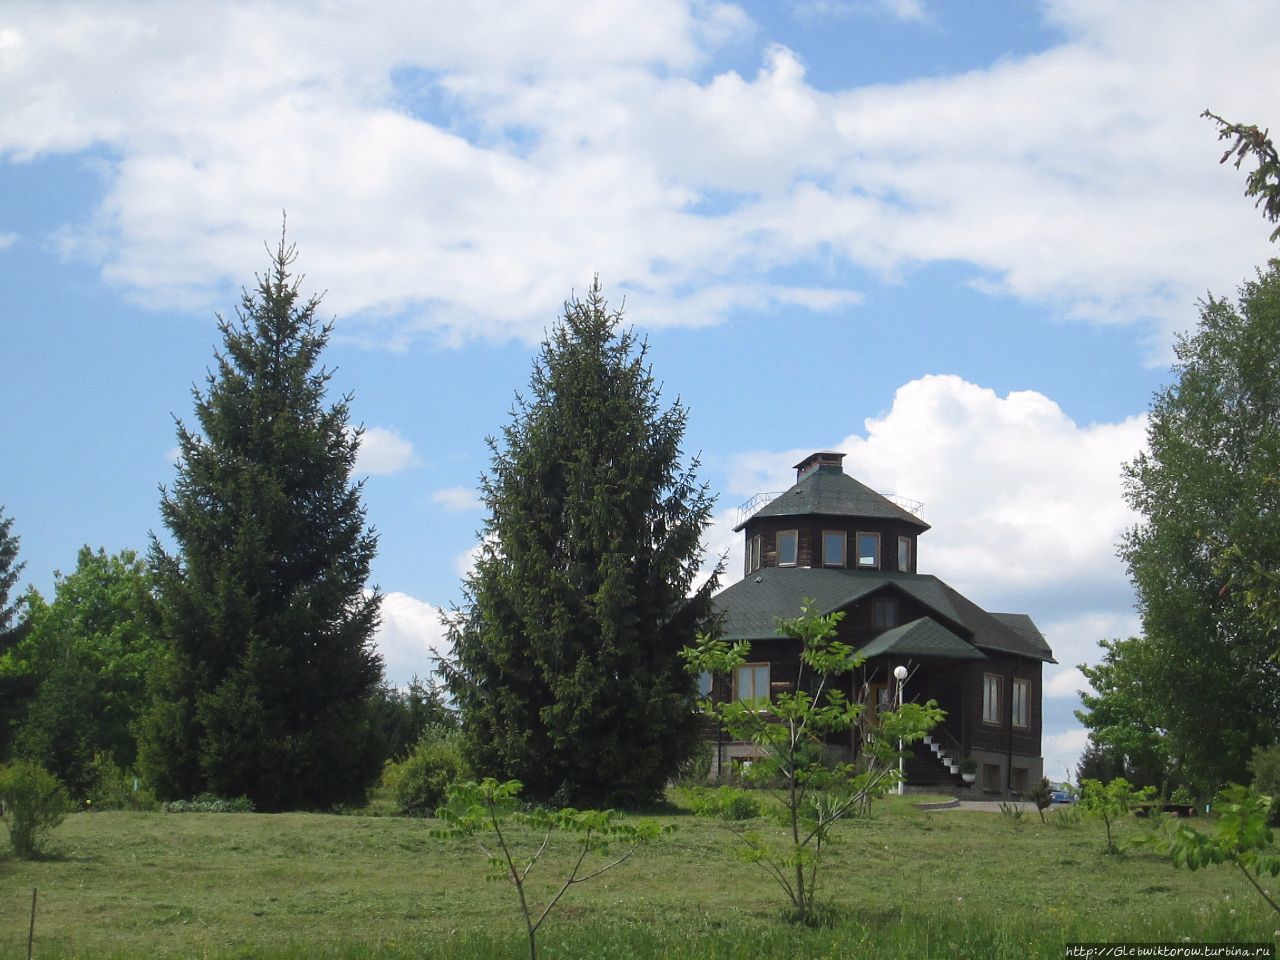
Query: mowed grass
[{"x": 905, "y": 883}]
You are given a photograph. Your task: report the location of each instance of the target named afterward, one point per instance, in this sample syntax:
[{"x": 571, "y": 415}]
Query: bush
[
  {"x": 209, "y": 803},
  {"x": 112, "y": 788},
  {"x": 34, "y": 803},
  {"x": 726, "y": 803},
  {"x": 696, "y": 771},
  {"x": 419, "y": 783},
  {"x": 1265, "y": 767}
]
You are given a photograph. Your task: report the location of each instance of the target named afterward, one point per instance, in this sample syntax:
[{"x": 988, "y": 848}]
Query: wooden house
[{"x": 836, "y": 541}]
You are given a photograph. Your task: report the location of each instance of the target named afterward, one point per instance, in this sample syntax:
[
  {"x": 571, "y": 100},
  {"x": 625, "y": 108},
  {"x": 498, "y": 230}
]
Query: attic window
[
  {"x": 753, "y": 554},
  {"x": 884, "y": 613},
  {"x": 786, "y": 543},
  {"x": 869, "y": 551},
  {"x": 904, "y": 554}
]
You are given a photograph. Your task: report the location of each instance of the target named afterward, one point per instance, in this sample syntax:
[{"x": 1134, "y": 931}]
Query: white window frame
[
  {"x": 990, "y": 700},
  {"x": 777, "y": 546},
  {"x": 904, "y": 551},
  {"x": 753, "y": 554},
  {"x": 844, "y": 548},
  {"x": 753, "y": 668},
  {"x": 875, "y": 564}
]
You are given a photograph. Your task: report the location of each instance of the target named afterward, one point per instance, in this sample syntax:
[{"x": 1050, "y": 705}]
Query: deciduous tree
[
  {"x": 16, "y": 686},
  {"x": 89, "y": 654},
  {"x": 270, "y": 685},
  {"x": 567, "y": 672},
  {"x": 1206, "y": 484}
]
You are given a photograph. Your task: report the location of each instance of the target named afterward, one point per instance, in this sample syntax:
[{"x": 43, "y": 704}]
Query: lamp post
[{"x": 900, "y": 674}]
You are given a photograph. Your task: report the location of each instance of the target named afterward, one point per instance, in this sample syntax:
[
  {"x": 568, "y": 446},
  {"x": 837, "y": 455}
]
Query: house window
[
  {"x": 1019, "y": 780},
  {"x": 904, "y": 554},
  {"x": 787, "y": 548},
  {"x": 884, "y": 612},
  {"x": 991, "y": 776},
  {"x": 753, "y": 554},
  {"x": 704, "y": 683},
  {"x": 869, "y": 550},
  {"x": 751, "y": 682},
  {"x": 1021, "y": 703},
  {"x": 833, "y": 544},
  {"x": 991, "y": 699}
]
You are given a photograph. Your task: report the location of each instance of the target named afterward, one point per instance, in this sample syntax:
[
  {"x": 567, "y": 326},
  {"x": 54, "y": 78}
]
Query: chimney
[{"x": 824, "y": 458}]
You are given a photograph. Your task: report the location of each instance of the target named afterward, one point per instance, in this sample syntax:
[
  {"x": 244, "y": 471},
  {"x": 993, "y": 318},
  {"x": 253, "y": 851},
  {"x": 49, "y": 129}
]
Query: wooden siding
[{"x": 810, "y": 527}]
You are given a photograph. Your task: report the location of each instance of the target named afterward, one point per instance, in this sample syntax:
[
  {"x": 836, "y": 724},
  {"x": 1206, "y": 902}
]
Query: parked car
[{"x": 1061, "y": 796}]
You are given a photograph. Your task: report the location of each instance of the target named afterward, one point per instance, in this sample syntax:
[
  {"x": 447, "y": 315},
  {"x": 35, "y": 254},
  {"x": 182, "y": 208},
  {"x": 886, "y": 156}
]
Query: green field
[{"x": 904, "y": 884}]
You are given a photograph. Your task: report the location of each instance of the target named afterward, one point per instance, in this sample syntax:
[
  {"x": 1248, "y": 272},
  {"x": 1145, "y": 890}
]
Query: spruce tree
[
  {"x": 566, "y": 668},
  {"x": 270, "y": 686}
]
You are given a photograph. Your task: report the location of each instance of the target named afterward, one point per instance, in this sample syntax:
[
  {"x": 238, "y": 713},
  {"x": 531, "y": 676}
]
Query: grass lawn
[{"x": 904, "y": 884}]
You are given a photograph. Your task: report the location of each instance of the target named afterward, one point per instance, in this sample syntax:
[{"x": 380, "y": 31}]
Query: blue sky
[{"x": 954, "y": 241}]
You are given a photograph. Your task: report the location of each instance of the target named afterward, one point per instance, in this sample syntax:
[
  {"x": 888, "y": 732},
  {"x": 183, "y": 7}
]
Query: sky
[{"x": 953, "y": 241}]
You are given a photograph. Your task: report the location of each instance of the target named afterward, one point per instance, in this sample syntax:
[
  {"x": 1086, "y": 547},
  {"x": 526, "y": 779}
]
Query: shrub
[
  {"x": 112, "y": 788},
  {"x": 209, "y": 803},
  {"x": 1041, "y": 796},
  {"x": 34, "y": 803},
  {"x": 726, "y": 803},
  {"x": 696, "y": 771},
  {"x": 418, "y": 785},
  {"x": 1265, "y": 767}
]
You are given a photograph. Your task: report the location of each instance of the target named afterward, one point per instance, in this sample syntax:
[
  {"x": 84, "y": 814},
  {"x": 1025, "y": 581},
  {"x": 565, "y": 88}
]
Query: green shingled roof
[
  {"x": 751, "y": 606},
  {"x": 921, "y": 638},
  {"x": 830, "y": 491}
]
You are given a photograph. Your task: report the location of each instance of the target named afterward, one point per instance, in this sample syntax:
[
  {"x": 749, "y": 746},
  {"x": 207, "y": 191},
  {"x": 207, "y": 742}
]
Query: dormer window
[
  {"x": 787, "y": 543},
  {"x": 833, "y": 547},
  {"x": 904, "y": 554},
  {"x": 869, "y": 551},
  {"x": 753, "y": 554}
]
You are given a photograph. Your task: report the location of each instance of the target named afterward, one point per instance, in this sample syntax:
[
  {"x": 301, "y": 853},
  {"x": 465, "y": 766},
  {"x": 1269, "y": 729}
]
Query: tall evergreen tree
[
  {"x": 269, "y": 688},
  {"x": 566, "y": 672}
]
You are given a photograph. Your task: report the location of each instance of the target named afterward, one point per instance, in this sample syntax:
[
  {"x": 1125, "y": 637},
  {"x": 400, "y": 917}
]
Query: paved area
[{"x": 985, "y": 806}]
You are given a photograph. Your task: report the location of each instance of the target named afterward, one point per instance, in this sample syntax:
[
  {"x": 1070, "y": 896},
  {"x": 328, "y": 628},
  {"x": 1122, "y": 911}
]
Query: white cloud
[
  {"x": 1064, "y": 682},
  {"x": 7, "y": 240},
  {"x": 457, "y": 498},
  {"x": 457, "y": 170},
  {"x": 912, "y": 11},
  {"x": 409, "y": 631},
  {"x": 383, "y": 452},
  {"x": 1021, "y": 498}
]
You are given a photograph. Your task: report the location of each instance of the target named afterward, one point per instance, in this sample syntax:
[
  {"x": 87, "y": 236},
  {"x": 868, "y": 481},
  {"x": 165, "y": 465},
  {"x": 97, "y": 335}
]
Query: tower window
[
  {"x": 869, "y": 550},
  {"x": 786, "y": 541},
  {"x": 833, "y": 547},
  {"x": 904, "y": 554}
]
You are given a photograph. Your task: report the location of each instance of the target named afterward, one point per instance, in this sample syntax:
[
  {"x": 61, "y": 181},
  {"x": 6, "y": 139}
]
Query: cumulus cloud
[
  {"x": 457, "y": 498},
  {"x": 383, "y": 451},
  {"x": 456, "y": 170},
  {"x": 410, "y": 630},
  {"x": 1021, "y": 498}
]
